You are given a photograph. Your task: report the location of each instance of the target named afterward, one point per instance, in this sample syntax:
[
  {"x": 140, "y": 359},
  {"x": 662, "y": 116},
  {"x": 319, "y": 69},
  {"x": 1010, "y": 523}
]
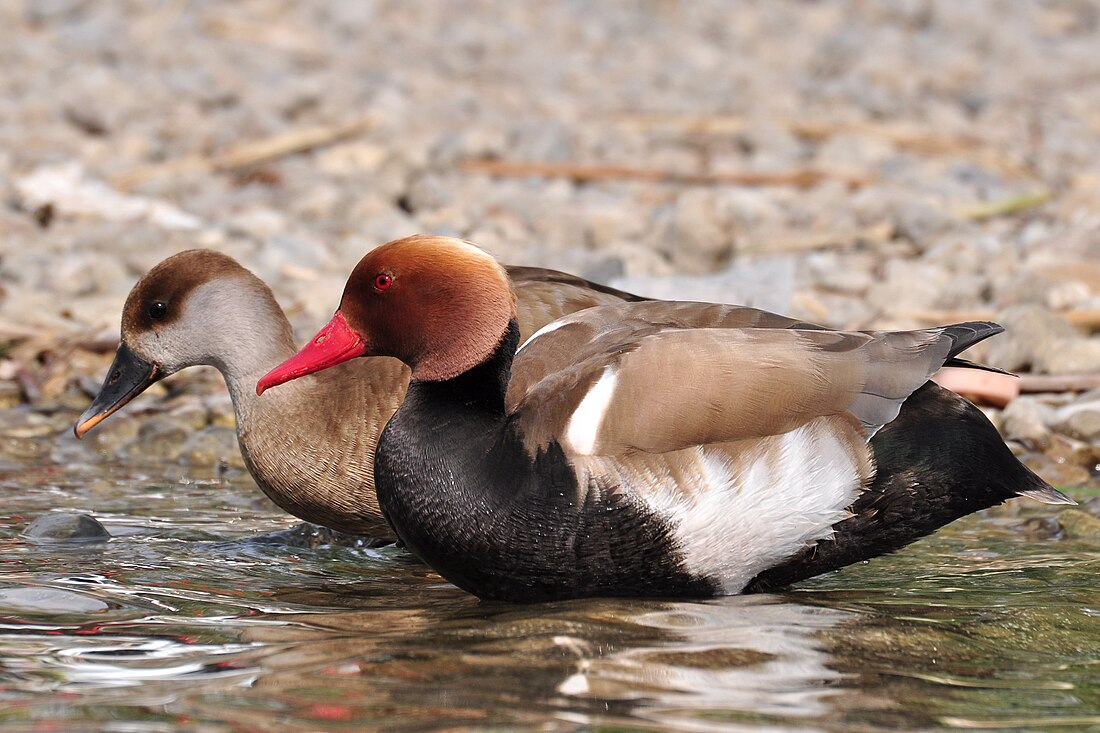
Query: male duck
[
  {"x": 310, "y": 448},
  {"x": 659, "y": 456}
]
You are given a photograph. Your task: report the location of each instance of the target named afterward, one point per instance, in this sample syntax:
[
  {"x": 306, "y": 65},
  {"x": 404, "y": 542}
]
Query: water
[{"x": 188, "y": 621}]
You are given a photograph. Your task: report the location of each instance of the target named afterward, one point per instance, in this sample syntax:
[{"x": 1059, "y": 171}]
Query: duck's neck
[
  {"x": 449, "y": 428},
  {"x": 480, "y": 389},
  {"x": 310, "y": 443}
]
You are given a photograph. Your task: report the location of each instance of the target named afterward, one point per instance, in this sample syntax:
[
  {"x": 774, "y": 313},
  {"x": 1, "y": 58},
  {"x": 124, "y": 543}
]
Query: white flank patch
[
  {"x": 584, "y": 426},
  {"x": 548, "y": 328},
  {"x": 739, "y": 523}
]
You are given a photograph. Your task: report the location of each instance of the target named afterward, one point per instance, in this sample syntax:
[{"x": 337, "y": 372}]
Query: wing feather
[{"x": 676, "y": 386}]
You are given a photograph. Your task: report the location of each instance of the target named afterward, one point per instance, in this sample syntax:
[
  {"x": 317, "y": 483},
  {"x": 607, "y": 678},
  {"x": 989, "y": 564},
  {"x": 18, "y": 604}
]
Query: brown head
[
  {"x": 438, "y": 304},
  {"x": 196, "y": 307}
]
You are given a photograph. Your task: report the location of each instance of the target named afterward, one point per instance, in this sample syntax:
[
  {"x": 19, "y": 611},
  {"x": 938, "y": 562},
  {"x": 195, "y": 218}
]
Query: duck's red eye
[{"x": 383, "y": 281}]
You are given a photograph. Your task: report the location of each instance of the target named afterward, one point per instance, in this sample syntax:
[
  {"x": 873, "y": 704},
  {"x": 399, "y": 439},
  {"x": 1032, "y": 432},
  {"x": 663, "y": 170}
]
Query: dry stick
[
  {"x": 249, "y": 154},
  {"x": 1087, "y": 319},
  {"x": 287, "y": 143},
  {"x": 787, "y": 242},
  {"x": 1003, "y": 207},
  {"x": 582, "y": 172},
  {"x": 1059, "y": 382},
  {"x": 904, "y": 137}
]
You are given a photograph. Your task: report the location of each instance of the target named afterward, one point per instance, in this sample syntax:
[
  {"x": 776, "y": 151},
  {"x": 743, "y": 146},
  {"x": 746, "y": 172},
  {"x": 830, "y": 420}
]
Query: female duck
[
  {"x": 678, "y": 456},
  {"x": 310, "y": 448}
]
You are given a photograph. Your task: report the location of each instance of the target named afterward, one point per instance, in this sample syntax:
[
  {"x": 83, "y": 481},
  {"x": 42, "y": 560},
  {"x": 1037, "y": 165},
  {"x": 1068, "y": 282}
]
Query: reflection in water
[
  {"x": 748, "y": 654},
  {"x": 182, "y": 622}
]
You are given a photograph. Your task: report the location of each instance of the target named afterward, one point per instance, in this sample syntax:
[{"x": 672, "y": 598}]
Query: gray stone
[
  {"x": 1032, "y": 336},
  {"x": 766, "y": 283},
  {"x": 1081, "y": 419},
  {"x": 1074, "y": 355},
  {"x": 696, "y": 232},
  {"x": 66, "y": 527},
  {"x": 213, "y": 446},
  {"x": 158, "y": 437},
  {"x": 312, "y": 536},
  {"x": 1027, "y": 420}
]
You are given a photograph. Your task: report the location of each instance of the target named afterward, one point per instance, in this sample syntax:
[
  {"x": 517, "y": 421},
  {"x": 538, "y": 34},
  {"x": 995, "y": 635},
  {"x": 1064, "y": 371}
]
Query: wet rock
[
  {"x": 1081, "y": 421},
  {"x": 158, "y": 437},
  {"x": 1073, "y": 452},
  {"x": 10, "y": 394},
  {"x": 66, "y": 527},
  {"x": 1079, "y": 525},
  {"x": 111, "y": 436},
  {"x": 311, "y": 536},
  {"x": 213, "y": 446},
  {"x": 1092, "y": 506},
  {"x": 1041, "y": 528},
  {"x": 1057, "y": 472}
]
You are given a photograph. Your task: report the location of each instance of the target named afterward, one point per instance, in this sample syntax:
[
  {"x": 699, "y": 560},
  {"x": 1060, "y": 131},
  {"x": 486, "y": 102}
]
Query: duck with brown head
[
  {"x": 681, "y": 455},
  {"x": 310, "y": 448}
]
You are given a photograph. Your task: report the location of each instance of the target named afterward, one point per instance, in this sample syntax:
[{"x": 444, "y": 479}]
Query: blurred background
[
  {"x": 847, "y": 162},
  {"x": 854, "y": 163}
]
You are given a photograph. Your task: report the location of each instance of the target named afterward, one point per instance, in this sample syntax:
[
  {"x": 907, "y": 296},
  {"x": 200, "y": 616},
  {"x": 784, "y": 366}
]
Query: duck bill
[
  {"x": 333, "y": 344},
  {"x": 129, "y": 376}
]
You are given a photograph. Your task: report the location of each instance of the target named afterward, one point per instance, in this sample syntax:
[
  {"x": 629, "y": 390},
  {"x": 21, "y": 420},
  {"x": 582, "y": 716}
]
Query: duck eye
[
  {"x": 383, "y": 281},
  {"x": 158, "y": 310}
]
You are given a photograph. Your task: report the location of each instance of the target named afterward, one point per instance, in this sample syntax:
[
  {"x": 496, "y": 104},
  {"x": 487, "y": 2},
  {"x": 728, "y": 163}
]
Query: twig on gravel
[
  {"x": 904, "y": 137},
  {"x": 874, "y": 234},
  {"x": 248, "y": 154},
  {"x": 583, "y": 172},
  {"x": 1059, "y": 382},
  {"x": 1003, "y": 207},
  {"x": 1000, "y": 389},
  {"x": 1087, "y": 319},
  {"x": 287, "y": 143}
]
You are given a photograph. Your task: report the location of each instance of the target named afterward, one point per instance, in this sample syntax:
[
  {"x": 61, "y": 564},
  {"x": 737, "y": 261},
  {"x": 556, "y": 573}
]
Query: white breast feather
[
  {"x": 583, "y": 428},
  {"x": 741, "y": 522}
]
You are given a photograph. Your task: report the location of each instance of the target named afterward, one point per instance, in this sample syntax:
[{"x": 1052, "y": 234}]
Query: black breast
[{"x": 465, "y": 497}]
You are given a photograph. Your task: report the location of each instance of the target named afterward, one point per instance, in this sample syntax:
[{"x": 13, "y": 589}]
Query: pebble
[
  {"x": 1033, "y": 337},
  {"x": 1028, "y": 420},
  {"x": 159, "y": 438},
  {"x": 1081, "y": 421},
  {"x": 66, "y": 527},
  {"x": 211, "y": 447},
  {"x": 312, "y": 536},
  {"x": 1079, "y": 525}
]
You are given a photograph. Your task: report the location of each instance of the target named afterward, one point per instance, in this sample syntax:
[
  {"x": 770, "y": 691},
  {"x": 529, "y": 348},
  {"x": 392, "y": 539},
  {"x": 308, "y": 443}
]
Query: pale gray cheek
[{"x": 164, "y": 349}]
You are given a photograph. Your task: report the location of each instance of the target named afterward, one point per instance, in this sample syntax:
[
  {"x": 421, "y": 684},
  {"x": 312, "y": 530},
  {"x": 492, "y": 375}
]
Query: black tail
[
  {"x": 965, "y": 335},
  {"x": 939, "y": 460}
]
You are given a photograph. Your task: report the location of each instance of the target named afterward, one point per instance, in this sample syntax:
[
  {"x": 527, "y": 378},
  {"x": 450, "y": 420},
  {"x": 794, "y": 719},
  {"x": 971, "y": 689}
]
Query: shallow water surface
[{"x": 193, "y": 618}]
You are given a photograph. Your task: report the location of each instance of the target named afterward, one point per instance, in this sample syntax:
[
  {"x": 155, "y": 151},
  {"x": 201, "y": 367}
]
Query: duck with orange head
[{"x": 653, "y": 449}]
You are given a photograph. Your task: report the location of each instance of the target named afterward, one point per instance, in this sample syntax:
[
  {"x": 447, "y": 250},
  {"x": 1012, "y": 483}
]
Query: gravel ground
[{"x": 858, "y": 164}]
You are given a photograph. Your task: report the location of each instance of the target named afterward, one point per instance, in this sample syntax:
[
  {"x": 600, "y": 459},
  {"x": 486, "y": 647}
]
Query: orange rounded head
[{"x": 439, "y": 304}]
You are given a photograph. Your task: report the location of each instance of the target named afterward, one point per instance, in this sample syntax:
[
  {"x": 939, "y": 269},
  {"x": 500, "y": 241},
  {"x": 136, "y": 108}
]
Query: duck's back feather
[{"x": 637, "y": 385}]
